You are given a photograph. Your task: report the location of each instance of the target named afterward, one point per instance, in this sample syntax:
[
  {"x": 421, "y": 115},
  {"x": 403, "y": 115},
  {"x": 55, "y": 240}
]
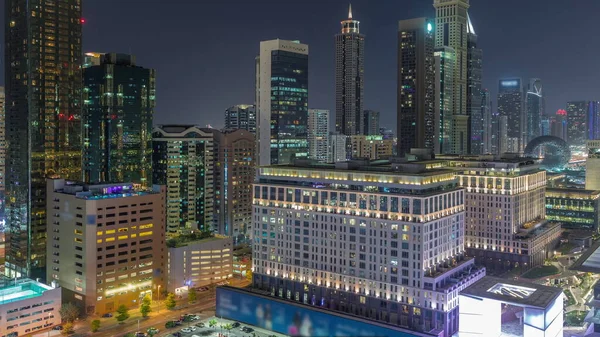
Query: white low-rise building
[{"x": 27, "y": 306}]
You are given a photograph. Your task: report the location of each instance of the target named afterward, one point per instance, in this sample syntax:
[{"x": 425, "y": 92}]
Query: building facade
[
  {"x": 318, "y": 134},
  {"x": 510, "y": 104},
  {"x": 445, "y": 61},
  {"x": 338, "y": 147},
  {"x": 377, "y": 242},
  {"x": 183, "y": 161},
  {"x": 234, "y": 172},
  {"x": 43, "y": 119},
  {"x": 107, "y": 243},
  {"x": 2, "y": 153},
  {"x": 242, "y": 116},
  {"x": 475, "y": 98},
  {"x": 119, "y": 100},
  {"x": 371, "y": 147},
  {"x": 558, "y": 125},
  {"x": 371, "y": 122},
  {"x": 592, "y": 165},
  {"x": 27, "y": 307},
  {"x": 349, "y": 78},
  {"x": 534, "y": 110},
  {"x": 416, "y": 85},
  {"x": 573, "y": 208},
  {"x": 282, "y": 101},
  {"x": 577, "y": 122},
  {"x": 490, "y": 130},
  {"x": 593, "y": 120},
  {"x": 451, "y": 22},
  {"x": 505, "y": 216},
  {"x": 197, "y": 263}
]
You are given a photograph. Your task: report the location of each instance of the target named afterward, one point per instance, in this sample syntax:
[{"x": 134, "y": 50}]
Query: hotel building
[
  {"x": 384, "y": 242},
  {"x": 106, "y": 243}
]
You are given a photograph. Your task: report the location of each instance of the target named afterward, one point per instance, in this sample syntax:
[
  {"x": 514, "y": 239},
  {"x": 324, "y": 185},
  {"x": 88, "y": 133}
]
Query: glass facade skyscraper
[
  {"x": 43, "y": 88},
  {"x": 282, "y": 101},
  {"x": 445, "y": 60},
  {"x": 577, "y": 119},
  {"x": 119, "y": 100},
  {"x": 241, "y": 116},
  {"x": 534, "y": 110},
  {"x": 510, "y": 104},
  {"x": 474, "y": 92}
]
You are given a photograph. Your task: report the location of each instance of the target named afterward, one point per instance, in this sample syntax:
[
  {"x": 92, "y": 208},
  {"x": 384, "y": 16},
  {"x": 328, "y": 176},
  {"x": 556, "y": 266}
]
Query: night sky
[{"x": 203, "y": 50}]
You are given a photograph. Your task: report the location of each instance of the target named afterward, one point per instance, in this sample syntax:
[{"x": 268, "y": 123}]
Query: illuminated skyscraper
[
  {"x": 474, "y": 92},
  {"x": 119, "y": 100},
  {"x": 451, "y": 31},
  {"x": 558, "y": 124},
  {"x": 43, "y": 89},
  {"x": 510, "y": 104},
  {"x": 242, "y": 116},
  {"x": 371, "y": 123},
  {"x": 349, "y": 78},
  {"x": 318, "y": 134},
  {"x": 282, "y": 101},
  {"x": 416, "y": 85},
  {"x": 445, "y": 60},
  {"x": 486, "y": 114},
  {"x": 577, "y": 122},
  {"x": 534, "y": 103},
  {"x": 593, "y": 120},
  {"x": 2, "y": 153}
]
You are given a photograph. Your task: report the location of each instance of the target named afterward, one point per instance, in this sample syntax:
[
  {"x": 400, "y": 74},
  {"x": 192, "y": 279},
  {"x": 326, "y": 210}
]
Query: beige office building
[
  {"x": 371, "y": 147},
  {"x": 106, "y": 243}
]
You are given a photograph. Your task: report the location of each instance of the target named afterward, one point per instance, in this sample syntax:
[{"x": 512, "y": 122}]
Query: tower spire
[{"x": 350, "y": 12}]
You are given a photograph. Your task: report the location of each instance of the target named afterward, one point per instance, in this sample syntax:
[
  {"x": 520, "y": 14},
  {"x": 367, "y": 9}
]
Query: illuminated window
[
  {"x": 146, "y": 233},
  {"x": 110, "y": 239},
  {"x": 123, "y": 237}
]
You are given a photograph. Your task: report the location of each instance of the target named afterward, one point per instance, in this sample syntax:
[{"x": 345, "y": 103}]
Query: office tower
[
  {"x": 242, "y": 116},
  {"x": 106, "y": 244},
  {"x": 558, "y": 124},
  {"x": 488, "y": 136},
  {"x": 43, "y": 92},
  {"x": 2, "y": 157},
  {"x": 349, "y": 78},
  {"x": 92, "y": 59},
  {"x": 371, "y": 147},
  {"x": 338, "y": 147},
  {"x": 336, "y": 259},
  {"x": 451, "y": 25},
  {"x": 214, "y": 255},
  {"x": 505, "y": 225},
  {"x": 503, "y": 134},
  {"x": 416, "y": 85},
  {"x": 533, "y": 110},
  {"x": 119, "y": 100},
  {"x": 592, "y": 165},
  {"x": 495, "y": 133},
  {"x": 183, "y": 161},
  {"x": 371, "y": 122},
  {"x": 573, "y": 208},
  {"x": 593, "y": 120},
  {"x": 577, "y": 118},
  {"x": 282, "y": 101},
  {"x": 318, "y": 134},
  {"x": 545, "y": 126},
  {"x": 234, "y": 168},
  {"x": 510, "y": 104},
  {"x": 474, "y": 92},
  {"x": 445, "y": 61}
]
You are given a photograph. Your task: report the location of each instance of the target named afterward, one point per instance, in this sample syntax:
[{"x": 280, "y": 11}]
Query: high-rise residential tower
[
  {"x": 510, "y": 104},
  {"x": 593, "y": 120},
  {"x": 371, "y": 122},
  {"x": 183, "y": 160},
  {"x": 534, "y": 104},
  {"x": 445, "y": 60},
  {"x": 282, "y": 101},
  {"x": 242, "y": 116},
  {"x": 2, "y": 154},
  {"x": 119, "y": 99},
  {"x": 558, "y": 124},
  {"x": 486, "y": 112},
  {"x": 474, "y": 92},
  {"x": 416, "y": 85},
  {"x": 43, "y": 91},
  {"x": 577, "y": 122},
  {"x": 318, "y": 134},
  {"x": 349, "y": 78},
  {"x": 451, "y": 25}
]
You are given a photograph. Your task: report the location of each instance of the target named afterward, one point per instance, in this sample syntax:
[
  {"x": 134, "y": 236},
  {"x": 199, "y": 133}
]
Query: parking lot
[{"x": 200, "y": 328}]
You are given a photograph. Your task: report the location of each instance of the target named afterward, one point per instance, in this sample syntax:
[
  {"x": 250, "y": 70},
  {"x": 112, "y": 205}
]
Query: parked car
[
  {"x": 186, "y": 330},
  {"x": 58, "y": 327},
  {"x": 247, "y": 329},
  {"x": 152, "y": 330},
  {"x": 236, "y": 324},
  {"x": 108, "y": 314},
  {"x": 192, "y": 328},
  {"x": 140, "y": 334},
  {"x": 200, "y": 325}
]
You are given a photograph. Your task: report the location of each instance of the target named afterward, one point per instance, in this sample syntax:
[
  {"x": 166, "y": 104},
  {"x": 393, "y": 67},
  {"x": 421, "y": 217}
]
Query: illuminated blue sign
[{"x": 512, "y": 83}]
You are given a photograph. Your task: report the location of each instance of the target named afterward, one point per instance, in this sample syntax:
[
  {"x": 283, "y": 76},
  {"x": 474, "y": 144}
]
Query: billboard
[{"x": 296, "y": 320}]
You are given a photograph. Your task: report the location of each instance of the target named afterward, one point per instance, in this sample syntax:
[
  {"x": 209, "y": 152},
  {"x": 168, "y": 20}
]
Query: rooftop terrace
[{"x": 13, "y": 291}]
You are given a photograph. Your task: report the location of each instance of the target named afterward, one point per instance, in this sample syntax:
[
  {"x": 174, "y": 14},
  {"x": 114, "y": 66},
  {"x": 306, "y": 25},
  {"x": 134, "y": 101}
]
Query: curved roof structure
[{"x": 556, "y": 152}]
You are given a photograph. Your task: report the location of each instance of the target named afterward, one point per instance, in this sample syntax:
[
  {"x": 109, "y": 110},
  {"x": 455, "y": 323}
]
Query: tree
[
  {"x": 227, "y": 327},
  {"x": 249, "y": 275},
  {"x": 170, "y": 301},
  {"x": 95, "y": 325},
  {"x": 192, "y": 295},
  {"x": 67, "y": 329},
  {"x": 145, "y": 307},
  {"x": 69, "y": 312},
  {"x": 122, "y": 313},
  {"x": 212, "y": 323}
]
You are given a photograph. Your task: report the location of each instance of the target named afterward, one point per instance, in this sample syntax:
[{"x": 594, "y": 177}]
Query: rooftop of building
[
  {"x": 100, "y": 191},
  {"x": 589, "y": 261},
  {"x": 572, "y": 193},
  {"x": 193, "y": 238},
  {"x": 533, "y": 228},
  {"x": 12, "y": 290},
  {"x": 513, "y": 292}
]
